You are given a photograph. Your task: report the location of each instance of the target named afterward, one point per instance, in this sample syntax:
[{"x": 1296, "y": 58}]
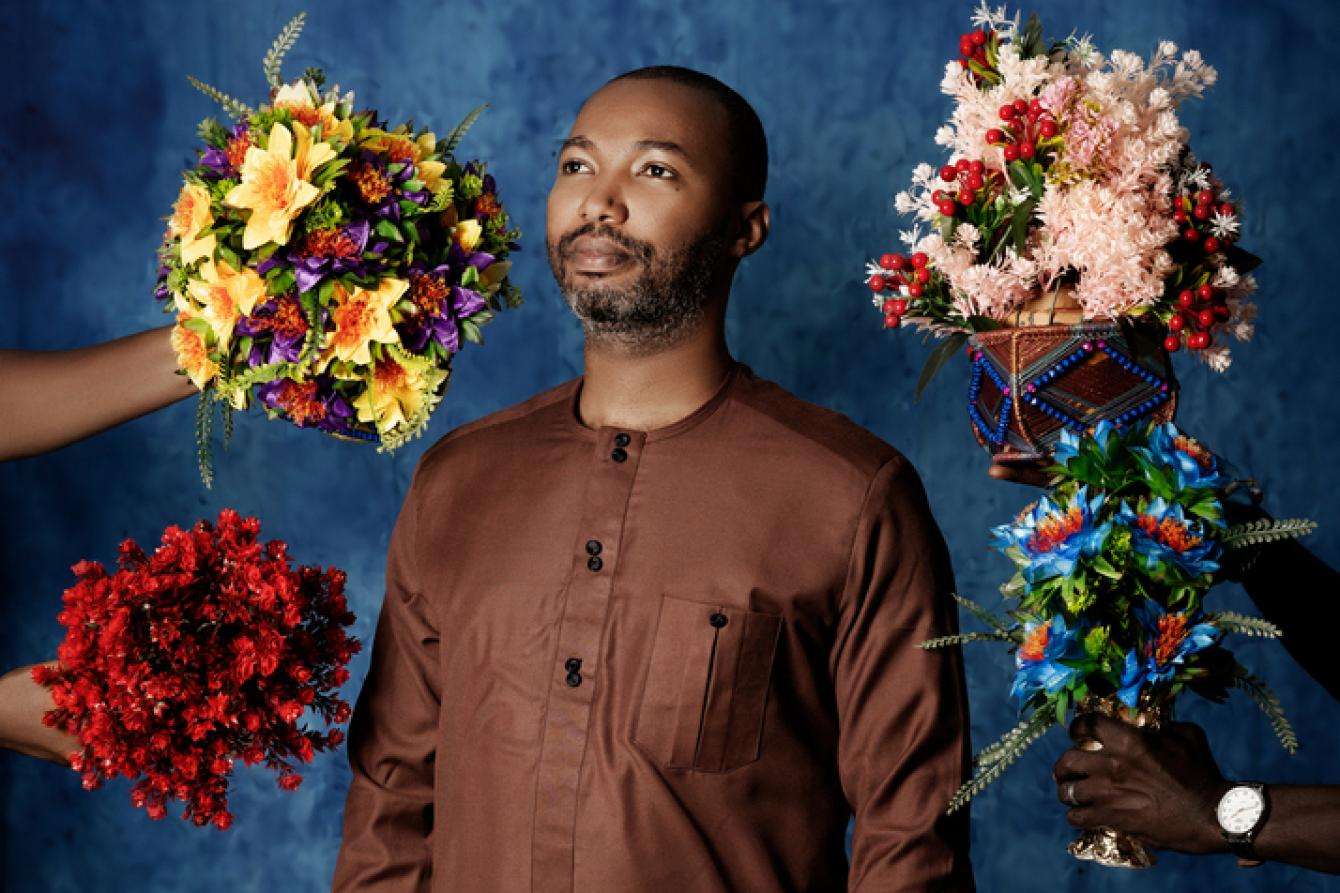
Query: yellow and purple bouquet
[{"x": 328, "y": 266}]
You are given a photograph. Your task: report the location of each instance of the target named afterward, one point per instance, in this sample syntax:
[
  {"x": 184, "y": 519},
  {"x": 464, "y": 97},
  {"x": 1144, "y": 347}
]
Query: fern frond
[
  {"x": 236, "y": 108},
  {"x": 1231, "y": 622},
  {"x": 1258, "y": 533},
  {"x": 283, "y": 43},
  {"x": 1005, "y": 752},
  {"x": 204, "y": 416},
  {"x": 1270, "y": 705},
  {"x": 982, "y": 614},
  {"x": 964, "y": 639},
  {"x": 454, "y": 138}
]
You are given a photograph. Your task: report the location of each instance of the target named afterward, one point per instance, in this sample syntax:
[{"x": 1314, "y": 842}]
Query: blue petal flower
[
  {"x": 1053, "y": 539},
  {"x": 1161, "y": 534}
]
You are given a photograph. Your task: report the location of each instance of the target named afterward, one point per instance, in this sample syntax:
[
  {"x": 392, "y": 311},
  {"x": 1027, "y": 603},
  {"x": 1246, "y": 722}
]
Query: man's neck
[{"x": 645, "y": 392}]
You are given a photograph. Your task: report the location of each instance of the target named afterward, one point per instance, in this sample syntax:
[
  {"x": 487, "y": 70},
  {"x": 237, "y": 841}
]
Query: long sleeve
[
  {"x": 903, "y": 745},
  {"x": 388, "y": 814}
]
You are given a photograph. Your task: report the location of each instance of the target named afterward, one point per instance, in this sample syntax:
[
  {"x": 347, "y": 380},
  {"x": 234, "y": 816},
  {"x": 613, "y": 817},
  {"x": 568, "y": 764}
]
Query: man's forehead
[{"x": 638, "y": 114}]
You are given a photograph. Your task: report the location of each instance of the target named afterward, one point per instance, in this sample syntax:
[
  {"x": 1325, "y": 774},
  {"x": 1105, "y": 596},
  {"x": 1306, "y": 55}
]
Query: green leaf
[
  {"x": 388, "y": 230},
  {"x": 1257, "y": 533},
  {"x": 943, "y": 353}
]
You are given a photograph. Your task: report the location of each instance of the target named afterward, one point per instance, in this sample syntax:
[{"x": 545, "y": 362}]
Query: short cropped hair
[{"x": 748, "y": 144}]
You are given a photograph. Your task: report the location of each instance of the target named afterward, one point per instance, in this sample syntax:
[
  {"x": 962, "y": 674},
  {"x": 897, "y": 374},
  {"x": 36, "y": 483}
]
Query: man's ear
[{"x": 755, "y": 221}]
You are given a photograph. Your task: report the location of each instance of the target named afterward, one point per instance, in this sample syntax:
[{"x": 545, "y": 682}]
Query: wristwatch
[{"x": 1241, "y": 813}]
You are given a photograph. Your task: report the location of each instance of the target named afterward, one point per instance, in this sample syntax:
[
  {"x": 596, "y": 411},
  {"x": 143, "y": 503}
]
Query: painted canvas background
[{"x": 97, "y": 119}]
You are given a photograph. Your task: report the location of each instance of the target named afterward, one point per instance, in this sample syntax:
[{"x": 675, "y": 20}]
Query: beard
[{"x": 661, "y": 306}]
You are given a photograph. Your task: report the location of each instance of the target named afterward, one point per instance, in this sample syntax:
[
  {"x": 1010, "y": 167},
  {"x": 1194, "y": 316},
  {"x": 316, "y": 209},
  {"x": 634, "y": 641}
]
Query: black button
[
  {"x": 622, "y": 440},
  {"x": 574, "y": 679},
  {"x": 594, "y": 563},
  {"x": 619, "y": 454},
  {"x": 573, "y": 664},
  {"x": 717, "y": 619},
  {"x": 593, "y": 547}
]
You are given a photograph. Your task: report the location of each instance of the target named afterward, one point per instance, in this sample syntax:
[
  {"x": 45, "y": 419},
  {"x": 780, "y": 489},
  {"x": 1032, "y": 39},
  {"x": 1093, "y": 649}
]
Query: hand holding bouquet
[
  {"x": 1113, "y": 566},
  {"x": 209, "y": 650}
]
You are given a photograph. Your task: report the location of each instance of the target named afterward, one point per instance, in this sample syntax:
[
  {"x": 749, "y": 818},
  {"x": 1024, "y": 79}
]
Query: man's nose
[{"x": 603, "y": 203}]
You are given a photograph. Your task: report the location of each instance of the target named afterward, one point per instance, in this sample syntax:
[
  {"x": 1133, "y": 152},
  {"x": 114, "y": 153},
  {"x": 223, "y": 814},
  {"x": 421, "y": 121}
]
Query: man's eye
[
  {"x": 571, "y": 166},
  {"x": 659, "y": 171}
]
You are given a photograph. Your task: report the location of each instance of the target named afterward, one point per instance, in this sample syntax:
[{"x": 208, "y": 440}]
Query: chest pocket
[{"x": 706, "y": 686}]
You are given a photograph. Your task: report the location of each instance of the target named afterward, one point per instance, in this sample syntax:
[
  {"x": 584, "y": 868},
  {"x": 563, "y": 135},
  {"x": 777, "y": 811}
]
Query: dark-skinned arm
[
  {"x": 1163, "y": 787},
  {"x": 22, "y": 704},
  {"x": 49, "y": 399}
]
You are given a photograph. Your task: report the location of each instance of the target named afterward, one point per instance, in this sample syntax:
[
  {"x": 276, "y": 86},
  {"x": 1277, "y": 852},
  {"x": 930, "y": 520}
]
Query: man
[{"x": 656, "y": 628}]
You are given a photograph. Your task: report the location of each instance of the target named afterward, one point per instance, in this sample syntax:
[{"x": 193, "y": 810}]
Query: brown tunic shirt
[{"x": 671, "y": 660}]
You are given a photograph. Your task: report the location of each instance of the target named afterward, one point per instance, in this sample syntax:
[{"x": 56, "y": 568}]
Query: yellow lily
[
  {"x": 362, "y": 317},
  {"x": 192, "y": 353},
  {"x": 396, "y": 393},
  {"x": 275, "y": 185},
  {"x": 297, "y": 100},
  {"x": 224, "y": 295},
  {"x": 467, "y": 234},
  {"x": 191, "y": 214}
]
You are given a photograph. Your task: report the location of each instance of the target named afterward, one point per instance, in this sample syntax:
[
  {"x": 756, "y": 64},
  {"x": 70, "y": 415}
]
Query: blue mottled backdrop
[{"x": 97, "y": 120}]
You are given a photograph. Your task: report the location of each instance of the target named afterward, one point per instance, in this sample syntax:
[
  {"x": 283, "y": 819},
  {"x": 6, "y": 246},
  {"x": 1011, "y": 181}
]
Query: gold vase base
[{"x": 1111, "y": 848}]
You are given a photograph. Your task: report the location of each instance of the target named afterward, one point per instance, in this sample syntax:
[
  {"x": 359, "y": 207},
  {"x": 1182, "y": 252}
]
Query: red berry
[
  {"x": 1186, "y": 299},
  {"x": 919, "y": 259},
  {"x": 938, "y": 196},
  {"x": 948, "y": 173},
  {"x": 892, "y": 321},
  {"x": 923, "y": 275},
  {"x": 915, "y": 289},
  {"x": 1205, "y": 196},
  {"x": 899, "y": 305},
  {"x": 1202, "y": 212},
  {"x": 963, "y": 63},
  {"x": 975, "y": 181},
  {"x": 1027, "y": 150},
  {"x": 947, "y": 208},
  {"x": 1226, "y": 209},
  {"x": 888, "y": 261},
  {"x": 1020, "y": 106},
  {"x": 1176, "y": 322},
  {"x": 977, "y": 167},
  {"x": 1221, "y": 311},
  {"x": 1035, "y": 106},
  {"x": 1047, "y": 128},
  {"x": 1205, "y": 319},
  {"x": 1198, "y": 341},
  {"x": 1205, "y": 292},
  {"x": 1033, "y": 116},
  {"x": 994, "y": 135},
  {"x": 877, "y": 283},
  {"x": 888, "y": 306},
  {"x": 979, "y": 38},
  {"x": 962, "y": 165},
  {"x": 1172, "y": 343},
  {"x": 965, "y": 197},
  {"x": 1179, "y": 215},
  {"x": 1211, "y": 245},
  {"x": 1007, "y": 112},
  {"x": 1191, "y": 235},
  {"x": 1011, "y": 152}
]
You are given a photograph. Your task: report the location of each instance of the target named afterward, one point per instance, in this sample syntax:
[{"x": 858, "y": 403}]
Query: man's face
[{"x": 638, "y": 211}]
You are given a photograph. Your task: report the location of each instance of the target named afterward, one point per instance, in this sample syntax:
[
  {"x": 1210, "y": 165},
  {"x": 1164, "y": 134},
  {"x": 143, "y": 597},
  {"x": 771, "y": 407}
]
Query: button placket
[{"x": 567, "y": 717}]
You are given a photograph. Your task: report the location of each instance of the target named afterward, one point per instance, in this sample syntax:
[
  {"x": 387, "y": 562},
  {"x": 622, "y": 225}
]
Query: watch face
[{"x": 1240, "y": 809}]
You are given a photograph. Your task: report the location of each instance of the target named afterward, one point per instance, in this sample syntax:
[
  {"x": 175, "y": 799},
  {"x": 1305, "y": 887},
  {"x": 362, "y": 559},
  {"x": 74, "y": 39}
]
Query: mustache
[{"x": 638, "y": 249}]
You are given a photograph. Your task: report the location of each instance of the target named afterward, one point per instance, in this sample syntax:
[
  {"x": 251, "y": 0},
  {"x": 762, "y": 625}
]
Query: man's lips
[{"x": 597, "y": 256}]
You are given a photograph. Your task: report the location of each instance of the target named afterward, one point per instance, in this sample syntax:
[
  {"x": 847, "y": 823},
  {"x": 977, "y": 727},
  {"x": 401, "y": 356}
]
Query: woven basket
[{"x": 1030, "y": 382}]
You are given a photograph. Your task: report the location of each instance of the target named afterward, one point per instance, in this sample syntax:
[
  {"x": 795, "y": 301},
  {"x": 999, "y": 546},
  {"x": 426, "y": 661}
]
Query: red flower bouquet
[{"x": 211, "y": 648}]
